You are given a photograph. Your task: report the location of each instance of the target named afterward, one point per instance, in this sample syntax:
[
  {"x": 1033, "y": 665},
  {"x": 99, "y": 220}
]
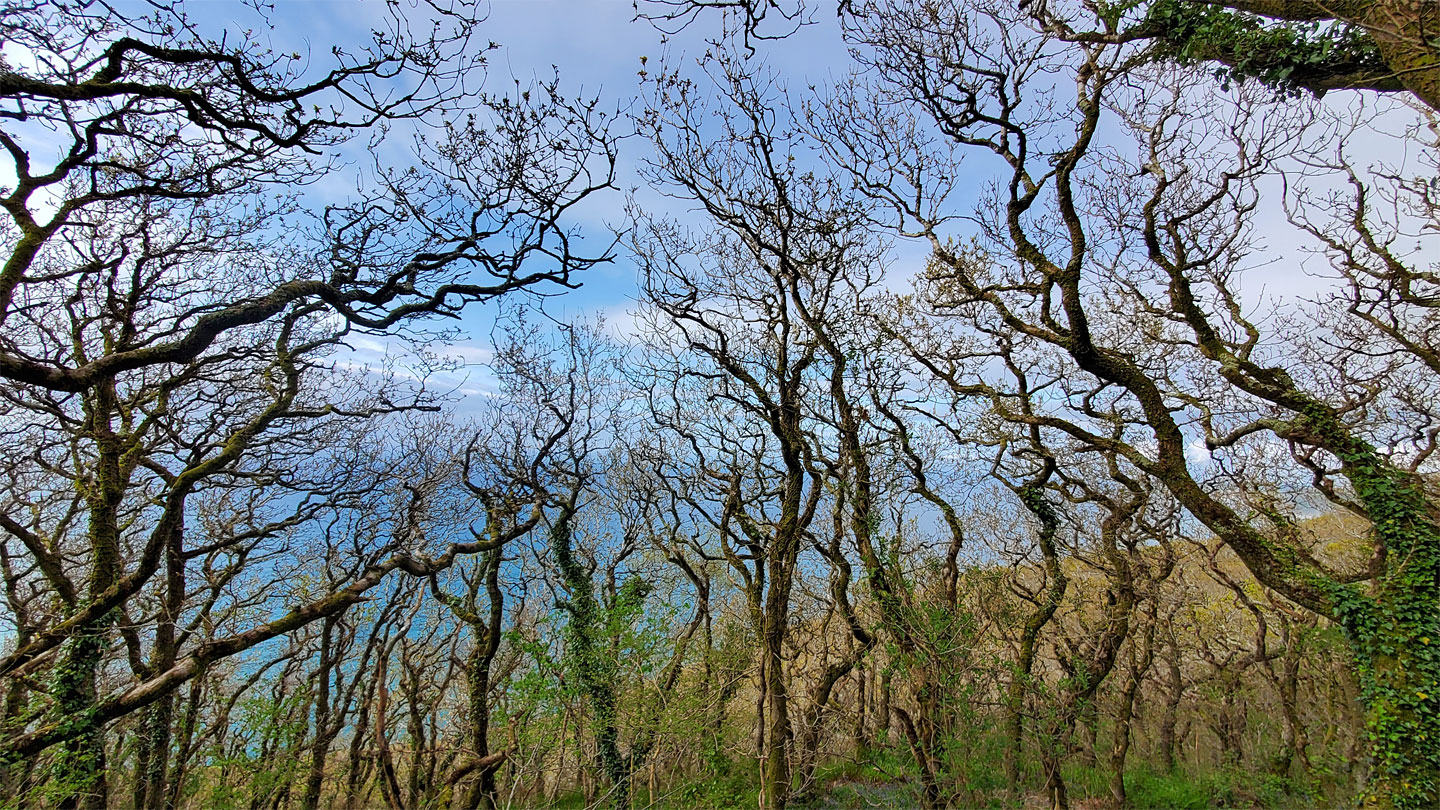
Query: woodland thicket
[{"x": 1041, "y": 412}]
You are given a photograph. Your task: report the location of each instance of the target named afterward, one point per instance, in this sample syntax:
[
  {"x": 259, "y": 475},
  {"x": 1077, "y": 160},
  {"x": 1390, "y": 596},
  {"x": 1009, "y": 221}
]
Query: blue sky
[{"x": 596, "y": 46}]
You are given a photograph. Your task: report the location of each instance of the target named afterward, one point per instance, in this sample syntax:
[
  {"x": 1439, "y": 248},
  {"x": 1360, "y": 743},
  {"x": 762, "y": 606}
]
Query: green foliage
[
  {"x": 942, "y": 665},
  {"x": 1396, "y": 630},
  {"x": 244, "y": 774},
  {"x": 1151, "y": 790},
  {"x": 887, "y": 778},
  {"x": 879, "y": 777},
  {"x": 978, "y": 761},
  {"x": 569, "y": 801},
  {"x": 79, "y": 764},
  {"x": 1291, "y": 57},
  {"x": 1237, "y": 787},
  {"x": 732, "y": 791}
]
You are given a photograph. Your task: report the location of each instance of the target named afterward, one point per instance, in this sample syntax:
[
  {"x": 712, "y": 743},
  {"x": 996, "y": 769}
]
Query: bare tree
[
  {"x": 743, "y": 299},
  {"x": 167, "y": 321},
  {"x": 1126, "y": 270}
]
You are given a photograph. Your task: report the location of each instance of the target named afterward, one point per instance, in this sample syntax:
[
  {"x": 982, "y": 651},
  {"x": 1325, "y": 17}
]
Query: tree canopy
[{"x": 1041, "y": 409}]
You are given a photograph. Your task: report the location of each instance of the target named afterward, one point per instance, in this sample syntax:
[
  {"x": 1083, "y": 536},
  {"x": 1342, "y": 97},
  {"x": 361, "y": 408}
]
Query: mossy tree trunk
[
  {"x": 78, "y": 770},
  {"x": 587, "y": 653},
  {"x": 1139, "y": 665},
  {"x": 1031, "y": 495},
  {"x": 1395, "y": 631}
]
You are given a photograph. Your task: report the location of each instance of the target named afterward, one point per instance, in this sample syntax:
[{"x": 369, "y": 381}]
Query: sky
[{"x": 596, "y": 46}]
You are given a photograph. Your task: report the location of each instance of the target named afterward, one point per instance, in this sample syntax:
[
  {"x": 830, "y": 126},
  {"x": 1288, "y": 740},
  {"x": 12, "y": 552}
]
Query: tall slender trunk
[
  {"x": 775, "y": 767},
  {"x": 1055, "y": 791},
  {"x": 151, "y": 781},
  {"x": 184, "y": 742},
  {"x": 1174, "y": 693},
  {"x": 817, "y": 706},
  {"x": 487, "y": 644},
  {"x": 1088, "y": 724},
  {"x": 422, "y": 757},
  {"x": 152, "y": 753},
  {"x": 1125, "y": 710},
  {"x": 922, "y": 747},
  {"x": 15, "y": 703},
  {"x": 15, "y": 777},
  {"x": 356, "y": 762},
  {"x": 482, "y": 793},
  {"x": 1031, "y": 495},
  {"x": 884, "y": 701},
  {"x": 1227, "y": 725},
  {"x": 1293, "y": 740},
  {"x": 589, "y": 659},
  {"x": 714, "y": 751},
  {"x": 323, "y": 735},
  {"x": 389, "y": 781},
  {"x": 860, "y": 735},
  {"x": 1120, "y": 745},
  {"x": 78, "y": 770},
  {"x": 784, "y": 548}
]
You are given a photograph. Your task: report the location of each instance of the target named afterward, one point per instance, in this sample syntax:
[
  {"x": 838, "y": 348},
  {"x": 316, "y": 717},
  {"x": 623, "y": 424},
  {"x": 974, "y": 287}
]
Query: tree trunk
[
  {"x": 775, "y": 767},
  {"x": 1174, "y": 693},
  {"x": 859, "y": 736},
  {"x": 1292, "y": 730},
  {"x": 1089, "y": 726},
  {"x": 589, "y": 659},
  {"x": 1120, "y": 746},
  {"x": 184, "y": 742},
  {"x": 809, "y": 747},
  {"x": 482, "y": 793},
  {"x": 1055, "y": 792},
  {"x": 1125, "y": 713},
  {"x": 1405, "y": 32},
  {"x": 78, "y": 771},
  {"x": 923, "y": 750},
  {"x": 885, "y": 699},
  {"x": 1033, "y": 499},
  {"x": 320, "y": 744}
]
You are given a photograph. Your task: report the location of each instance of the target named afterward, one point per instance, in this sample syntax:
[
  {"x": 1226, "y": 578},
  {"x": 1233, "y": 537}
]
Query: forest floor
[
  {"x": 866, "y": 795},
  {"x": 1221, "y": 790},
  {"x": 856, "y": 795}
]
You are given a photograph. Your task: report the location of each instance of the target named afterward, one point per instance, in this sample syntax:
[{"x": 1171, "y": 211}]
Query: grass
[{"x": 887, "y": 778}]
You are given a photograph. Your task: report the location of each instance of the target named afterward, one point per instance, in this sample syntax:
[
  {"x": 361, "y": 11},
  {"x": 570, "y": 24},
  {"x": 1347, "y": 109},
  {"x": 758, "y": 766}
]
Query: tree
[
  {"x": 1317, "y": 45},
  {"x": 741, "y": 301},
  {"x": 1126, "y": 270},
  {"x": 1388, "y": 46},
  {"x": 167, "y": 320}
]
